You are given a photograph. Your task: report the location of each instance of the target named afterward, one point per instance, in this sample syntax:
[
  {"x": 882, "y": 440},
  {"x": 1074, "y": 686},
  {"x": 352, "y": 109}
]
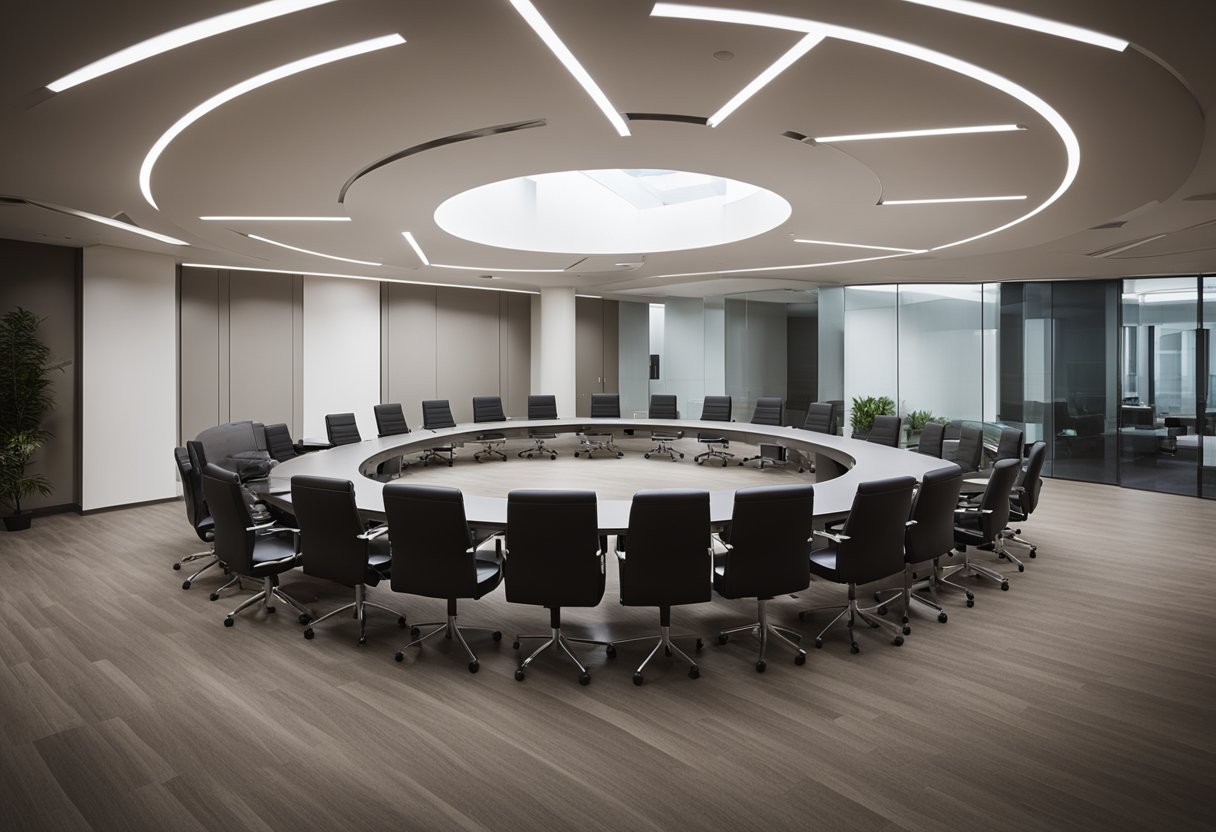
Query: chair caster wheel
[
  {"x": 228, "y": 622},
  {"x": 644, "y": 456},
  {"x": 1021, "y": 567},
  {"x": 899, "y": 640},
  {"x": 620, "y": 454},
  {"x": 576, "y": 454},
  {"x": 401, "y": 621},
  {"x": 271, "y": 610},
  {"x": 854, "y": 648},
  {"x": 1034, "y": 553},
  {"x": 553, "y": 456},
  {"x": 496, "y": 635},
  {"x": 700, "y": 461},
  {"x": 970, "y": 602},
  {"x": 724, "y": 463},
  {"x": 1005, "y": 586},
  {"x": 584, "y": 679},
  {"x": 723, "y": 638},
  {"x": 362, "y": 640},
  {"x": 694, "y": 673},
  {"x": 215, "y": 596},
  {"x": 800, "y": 659},
  {"x": 414, "y": 631},
  {"x": 818, "y": 642},
  {"x": 611, "y": 651},
  {"x": 305, "y": 618},
  {"x": 177, "y": 567},
  {"x": 473, "y": 667},
  {"x": 515, "y": 645},
  {"x": 519, "y": 675},
  {"x": 761, "y": 666},
  {"x": 308, "y": 634},
  {"x": 903, "y": 620},
  {"x": 700, "y": 644},
  {"x": 970, "y": 596},
  {"x": 185, "y": 584},
  {"x": 638, "y": 679},
  {"x": 907, "y": 630},
  {"x": 882, "y": 610},
  {"x": 942, "y": 618}
]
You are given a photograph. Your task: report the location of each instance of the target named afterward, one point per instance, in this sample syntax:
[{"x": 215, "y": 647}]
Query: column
[{"x": 554, "y": 351}]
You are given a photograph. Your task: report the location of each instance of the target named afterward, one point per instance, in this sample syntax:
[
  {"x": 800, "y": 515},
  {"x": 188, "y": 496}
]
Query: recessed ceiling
[{"x": 1093, "y": 134}]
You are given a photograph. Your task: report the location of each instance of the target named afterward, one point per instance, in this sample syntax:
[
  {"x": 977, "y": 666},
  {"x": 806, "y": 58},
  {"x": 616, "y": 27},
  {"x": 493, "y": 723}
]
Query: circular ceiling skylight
[{"x": 612, "y": 212}]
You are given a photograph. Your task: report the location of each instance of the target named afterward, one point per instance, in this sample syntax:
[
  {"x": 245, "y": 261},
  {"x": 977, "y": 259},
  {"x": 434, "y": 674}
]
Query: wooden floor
[{"x": 1083, "y": 698}]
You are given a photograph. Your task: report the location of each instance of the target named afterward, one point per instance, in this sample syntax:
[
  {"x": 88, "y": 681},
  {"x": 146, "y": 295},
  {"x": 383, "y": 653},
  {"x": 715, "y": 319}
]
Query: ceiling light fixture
[
  {"x": 949, "y": 199},
  {"x": 806, "y": 44},
  {"x": 248, "y": 85},
  {"x": 859, "y": 245},
  {"x": 913, "y": 134},
  {"x": 996, "y": 14},
  {"x": 533, "y": 18},
  {"x": 493, "y": 269},
  {"x": 780, "y": 268},
  {"x": 181, "y": 37},
  {"x": 218, "y": 218},
  {"x": 85, "y": 215},
  {"x": 1072, "y": 147},
  {"x": 409, "y": 238},
  {"x": 313, "y": 253},
  {"x": 378, "y": 279}
]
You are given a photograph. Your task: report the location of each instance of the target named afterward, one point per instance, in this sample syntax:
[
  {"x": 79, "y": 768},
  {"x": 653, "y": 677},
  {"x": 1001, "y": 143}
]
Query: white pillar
[{"x": 554, "y": 352}]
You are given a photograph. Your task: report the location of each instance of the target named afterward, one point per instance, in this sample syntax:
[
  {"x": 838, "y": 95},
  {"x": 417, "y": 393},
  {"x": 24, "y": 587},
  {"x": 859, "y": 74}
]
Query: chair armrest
[
  {"x": 372, "y": 534},
  {"x": 909, "y": 524},
  {"x": 273, "y": 527},
  {"x": 973, "y": 510},
  {"x": 717, "y": 537},
  {"x": 838, "y": 538}
]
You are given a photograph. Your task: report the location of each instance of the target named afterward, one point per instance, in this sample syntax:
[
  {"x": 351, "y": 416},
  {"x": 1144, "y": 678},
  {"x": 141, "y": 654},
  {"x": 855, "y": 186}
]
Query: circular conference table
[{"x": 841, "y": 464}]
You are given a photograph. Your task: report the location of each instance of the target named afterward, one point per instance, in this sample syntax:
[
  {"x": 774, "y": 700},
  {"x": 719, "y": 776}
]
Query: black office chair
[
  {"x": 540, "y": 407},
  {"x": 336, "y": 545},
  {"x": 715, "y": 409},
  {"x": 932, "y": 435},
  {"x": 196, "y": 513},
  {"x": 390, "y": 419},
  {"x": 928, "y": 539},
  {"x": 869, "y": 548},
  {"x": 770, "y": 410},
  {"x": 981, "y": 524},
  {"x": 820, "y": 418},
  {"x": 1025, "y": 497},
  {"x": 436, "y": 415},
  {"x": 489, "y": 409},
  {"x": 665, "y": 561},
  {"x": 970, "y": 450},
  {"x": 262, "y": 551},
  {"x": 603, "y": 406},
  {"x": 1010, "y": 445},
  {"x": 279, "y": 442},
  {"x": 555, "y": 558},
  {"x": 885, "y": 431},
  {"x": 342, "y": 429},
  {"x": 663, "y": 406},
  {"x": 435, "y": 555},
  {"x": 766, "y": 556}
]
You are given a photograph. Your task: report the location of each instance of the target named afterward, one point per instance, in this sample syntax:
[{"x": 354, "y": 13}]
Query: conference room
[{"x": 759, "y": 414}]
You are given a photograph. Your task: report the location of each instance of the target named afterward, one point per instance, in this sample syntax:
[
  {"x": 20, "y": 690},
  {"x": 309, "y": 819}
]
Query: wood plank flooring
[{"x": 1083, "y": 698}]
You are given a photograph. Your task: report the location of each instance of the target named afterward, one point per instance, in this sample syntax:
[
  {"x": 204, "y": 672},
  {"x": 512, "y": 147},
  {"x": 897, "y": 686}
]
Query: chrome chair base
[
  {"x": 968, "y": 569},
  {"x": 451, "y": 630},
  {"x": 265, "y": 598},
  {"x": 593, "y": 442},
  {"x": 850, "y": 612},
  {"x": 556, "y": 636},
  {"x": 669, "y": 648},
  {"x": 714, "y": 450},
  {"x": 360, "y": 605},
  {"x": 540, "y": 448},
  {"x": 762, "y": 629},
  {"x": 491, "y": 449},
  {"x": 190, "y": 580},
  {"x": 446, "y": 455},
  {"x": 663, "y": 448}
]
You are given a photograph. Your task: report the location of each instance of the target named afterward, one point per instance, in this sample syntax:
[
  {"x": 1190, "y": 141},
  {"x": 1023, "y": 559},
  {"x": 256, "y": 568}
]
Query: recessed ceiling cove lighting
[
  {"x": 409, "y": 238},
  {"x": 378, "y": 279},
  {"x": 85, "y": 215},
  {"x": 783, "y": 63},
  {"x": 942, "y": 200},
  {"x": 248, "y": 85},
  {"x": 273, "y": 219},
  {"x": 1072, "y": 147},
  {"x": 180, "y": 37},
  {"x": 539, "y": 25},
  {"x": 784, "y": 268},
  {"x": 912, "y": 134},
  {"x": 859, "y": 245},
  {"x": 996, "y": 14},
  {"x": 495, "y": 269},
  {"x": 313, "y": 253}
]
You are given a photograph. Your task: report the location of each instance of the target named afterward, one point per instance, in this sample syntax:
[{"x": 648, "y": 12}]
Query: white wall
[
  {"x": 715, "y": 349},
  {"x": 129, "y": 377},
  {"x": 683, "y": 367},
  {"x": 831, "y": 343},
  {"x": 870, "y": 346},
  {"x": 341, "y": 352}
]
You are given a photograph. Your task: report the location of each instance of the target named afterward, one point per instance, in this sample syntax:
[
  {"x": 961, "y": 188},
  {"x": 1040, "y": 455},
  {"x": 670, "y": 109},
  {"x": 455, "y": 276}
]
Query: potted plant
[
  {"x": 863, "y": 411},
  {"x": 917, "y": 419},
  {"x": 25, "y": 399}
]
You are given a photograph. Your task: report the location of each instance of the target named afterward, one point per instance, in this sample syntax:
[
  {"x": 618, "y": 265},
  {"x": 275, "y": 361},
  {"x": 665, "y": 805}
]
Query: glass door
[{"x": 1206, "y": 404}]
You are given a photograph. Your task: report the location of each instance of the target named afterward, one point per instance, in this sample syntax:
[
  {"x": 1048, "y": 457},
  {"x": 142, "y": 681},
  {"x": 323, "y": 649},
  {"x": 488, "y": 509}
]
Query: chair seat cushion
[
  {"x": 823, "y": 563},
  {"x": 489, "y": 575},
  {"x": 269, "y": 550},
  {"x": 379, "y": 560},
  {"x": 709, "y": 437}
]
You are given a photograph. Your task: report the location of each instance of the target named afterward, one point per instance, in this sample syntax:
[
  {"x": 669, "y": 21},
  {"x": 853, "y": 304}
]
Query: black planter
[{"x": 17, "y": 522}]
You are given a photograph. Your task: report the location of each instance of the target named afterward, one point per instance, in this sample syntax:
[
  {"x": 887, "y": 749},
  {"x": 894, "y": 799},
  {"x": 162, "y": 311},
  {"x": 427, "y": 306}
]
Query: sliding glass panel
[
  {"x": 871, "y": 342},
  {"x": 1206, "y": 372},
  {"x": 1084, "y": 379}
]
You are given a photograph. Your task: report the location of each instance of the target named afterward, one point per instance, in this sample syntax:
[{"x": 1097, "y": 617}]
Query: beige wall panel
[
  {"x": 612, "y": 335},
  {"x": 515, "y": 356},
  {"x": 588, "y": 352},
  {"x": 467, "y": 348},
  {"x": 199, "y": 351},
  {"x": 261, "y": 362},
  {"x": 409, "y": 348}
]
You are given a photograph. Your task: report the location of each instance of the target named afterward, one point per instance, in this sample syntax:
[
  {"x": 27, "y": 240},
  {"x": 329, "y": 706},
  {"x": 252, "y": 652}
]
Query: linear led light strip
[
  {"x": 948, "y": 199},
  {"x": 1072, "y": 146},
  {"x": 542, "y": 28},
  {"x": 806, "y": 44},
  {"x": 85, "y": 215},
  {"x": 358, "y": 277},
  {"x": 859, "y": 245},
  {"x": 409, "y": 238},
  {"x": 218, "y": 218},
  {"x": 180, "y": 37},
  {"x": 996, "y": 14},
  {"x": 913, "y": 134},
  {"x": 248, "y": 85},
  {"x": 786, "y": 268},
  {"x": 313, "y": 253}
]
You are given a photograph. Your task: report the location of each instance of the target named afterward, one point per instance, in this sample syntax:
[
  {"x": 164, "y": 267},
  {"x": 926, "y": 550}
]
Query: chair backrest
[
  {"x": 542, "y": 406},
  {"x": 488, "y": 409},
  {"x": 1010, "y": 445},
  {"x": 192, "y": 490},
  {"x": 933, "y": 511},
  {"x": 970, "y": 448},
  {"x": 342, "y": 429},
  {"x": 820, "y": 417},
  {"x": 437, "y": 413},
  {"x": 605, "y": 406},
  {"x": 198, "y": 459},
  {"x": 875, "y": 530},
  {"x": 553, "y": 548},
  {"x": 770, "y": 532},
  {"x": 663, "y": 406},
  {"x": 1030, "y": 478},
  {"x": 769, "y": 410},
  {"x": 433, "y": 551},
  {"x": 994, "y": 504},
  {"x": 885, "y": 430},
  {"x": 716, "y": 409},
  {"x": 390, "y": 419},
  {"x": 667, "y": 554},
  {"x": 278, "y": 442},
  {"x": 330, "y": 526},
  {"x": 233, "y": 542},
  {"x": 931, "y": 438}
]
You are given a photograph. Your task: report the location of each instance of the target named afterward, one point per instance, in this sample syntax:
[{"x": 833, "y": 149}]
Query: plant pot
[{"x": 17, "y": 522}]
